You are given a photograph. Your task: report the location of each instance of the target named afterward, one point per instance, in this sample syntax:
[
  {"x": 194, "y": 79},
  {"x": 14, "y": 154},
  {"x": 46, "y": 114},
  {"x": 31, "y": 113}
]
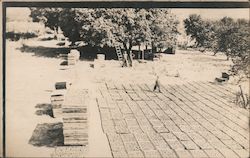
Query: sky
[
  {"x": 23, "y": 13},
  {"x": 212, "y": 13}
]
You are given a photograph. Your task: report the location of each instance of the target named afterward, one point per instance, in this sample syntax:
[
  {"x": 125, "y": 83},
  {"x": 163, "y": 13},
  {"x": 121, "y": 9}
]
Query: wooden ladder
[
  {"x": 117, "y": 49},
  {"x": 118, "y": 52}
]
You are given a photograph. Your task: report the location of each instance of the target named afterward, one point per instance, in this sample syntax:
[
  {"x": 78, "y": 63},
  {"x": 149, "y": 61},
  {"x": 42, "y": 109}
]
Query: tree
[
  {"x": 131, "y": 27},
  {"x": 193, "y": 27},
  {"x": 70, "y": 25},
  {"x": 56, "y": 18},
  {"x": 104, "y": 26},
  {"x": 163, "y": 25},
  {"x": 202, "y": 31},
  {"x": 238, "y": 47},
  {"x": 228, "y": 35},
  {"x": 225, "y": 35},
  {"x": 225, "y": 28},
  {"x": 48, "y": 16},
  {"x": 127, "y": 27}
]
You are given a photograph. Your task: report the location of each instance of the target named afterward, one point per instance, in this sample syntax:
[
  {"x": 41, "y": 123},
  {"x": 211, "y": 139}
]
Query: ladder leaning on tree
[
  {"x": 117, "y": 48},
  {"x": 118, "y": 51}
]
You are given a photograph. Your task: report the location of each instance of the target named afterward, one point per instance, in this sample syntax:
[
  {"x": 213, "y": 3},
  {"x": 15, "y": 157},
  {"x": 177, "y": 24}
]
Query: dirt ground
[{"x": 30, "y": 80}]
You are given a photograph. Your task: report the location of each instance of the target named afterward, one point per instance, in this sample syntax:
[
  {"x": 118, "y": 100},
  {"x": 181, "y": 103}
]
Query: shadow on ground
[
  {"x": 48, "y": 134},
  {"x": 44, "y": 109},
  {"x": 42, "y": 51},
  {"x": 86, "y": 52},
  {"x": 64, "y": 63}
]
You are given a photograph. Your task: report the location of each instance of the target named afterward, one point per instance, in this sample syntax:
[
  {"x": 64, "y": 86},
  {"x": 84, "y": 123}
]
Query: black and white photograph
[{"x": 153, "y": 82}]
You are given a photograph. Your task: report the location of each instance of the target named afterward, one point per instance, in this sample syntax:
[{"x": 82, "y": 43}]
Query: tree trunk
[
  {"x": 55, "y": 33},
  {"x": 143, "y": 55},
  {"x": 129, "y": 52},
  {"x": 227, "y": 54},
  {"x": 215, "y": 52},
  {"x": 72, "y": 43},
  {"x": 98, "y": 50},
  {"x": 139, "y": 54},
  {"x": 130, "y": 58},
  {"x": 153, "y": 48}
]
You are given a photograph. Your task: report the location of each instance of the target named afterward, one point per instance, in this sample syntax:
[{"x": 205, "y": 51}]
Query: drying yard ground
[{"x": 192, "y": 117}]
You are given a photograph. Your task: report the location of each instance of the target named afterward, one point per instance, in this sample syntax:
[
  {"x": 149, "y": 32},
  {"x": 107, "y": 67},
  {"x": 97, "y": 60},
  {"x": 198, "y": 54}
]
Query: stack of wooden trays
[
  {"x": 57, "y": 99},
  {"x": 71, "y": 59},
  {"x": 75, "y": 118}
]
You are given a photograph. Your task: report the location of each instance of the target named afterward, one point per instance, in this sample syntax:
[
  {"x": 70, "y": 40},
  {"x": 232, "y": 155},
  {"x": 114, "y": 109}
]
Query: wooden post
[
  {"x": 143, "y": 51},
  {"x": 139, "y": 54},
  {"x": 131, "y": 57},
  {"x": 143, "y": 55},
  {"x": 242, "y": 95}
]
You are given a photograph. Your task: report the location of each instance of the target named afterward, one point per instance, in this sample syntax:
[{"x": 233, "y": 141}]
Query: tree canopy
[
  {"x": 122, "y": 25},
  {"x": 225, "y": 35},
  {"x": 106, "y": 26},
  {"x": 202, "y": 31},
  {"x": 49, "y": 16}
]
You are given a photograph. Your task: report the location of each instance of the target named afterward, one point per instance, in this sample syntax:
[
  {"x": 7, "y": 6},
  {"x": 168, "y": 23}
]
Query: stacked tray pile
[{"x": 75, "y": 118}]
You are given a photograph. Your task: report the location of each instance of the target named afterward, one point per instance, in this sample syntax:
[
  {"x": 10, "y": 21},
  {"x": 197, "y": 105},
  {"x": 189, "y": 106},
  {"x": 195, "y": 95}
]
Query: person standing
[
  {"x": 125, "y": 59},
  {"x": 158, "y": 70},
  {"x": 157, "y": 84}
]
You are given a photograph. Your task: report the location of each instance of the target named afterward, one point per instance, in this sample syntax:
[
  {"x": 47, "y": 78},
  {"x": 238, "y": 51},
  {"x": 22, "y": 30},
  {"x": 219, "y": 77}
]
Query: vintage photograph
[{"x": 127, "y": 82}]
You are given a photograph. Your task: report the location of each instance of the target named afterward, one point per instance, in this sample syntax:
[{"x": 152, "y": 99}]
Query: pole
[
  {"x": 131, "y": 57},
  {"x": 242, "y": 95},
  {"x": 139, "y": 54}
]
